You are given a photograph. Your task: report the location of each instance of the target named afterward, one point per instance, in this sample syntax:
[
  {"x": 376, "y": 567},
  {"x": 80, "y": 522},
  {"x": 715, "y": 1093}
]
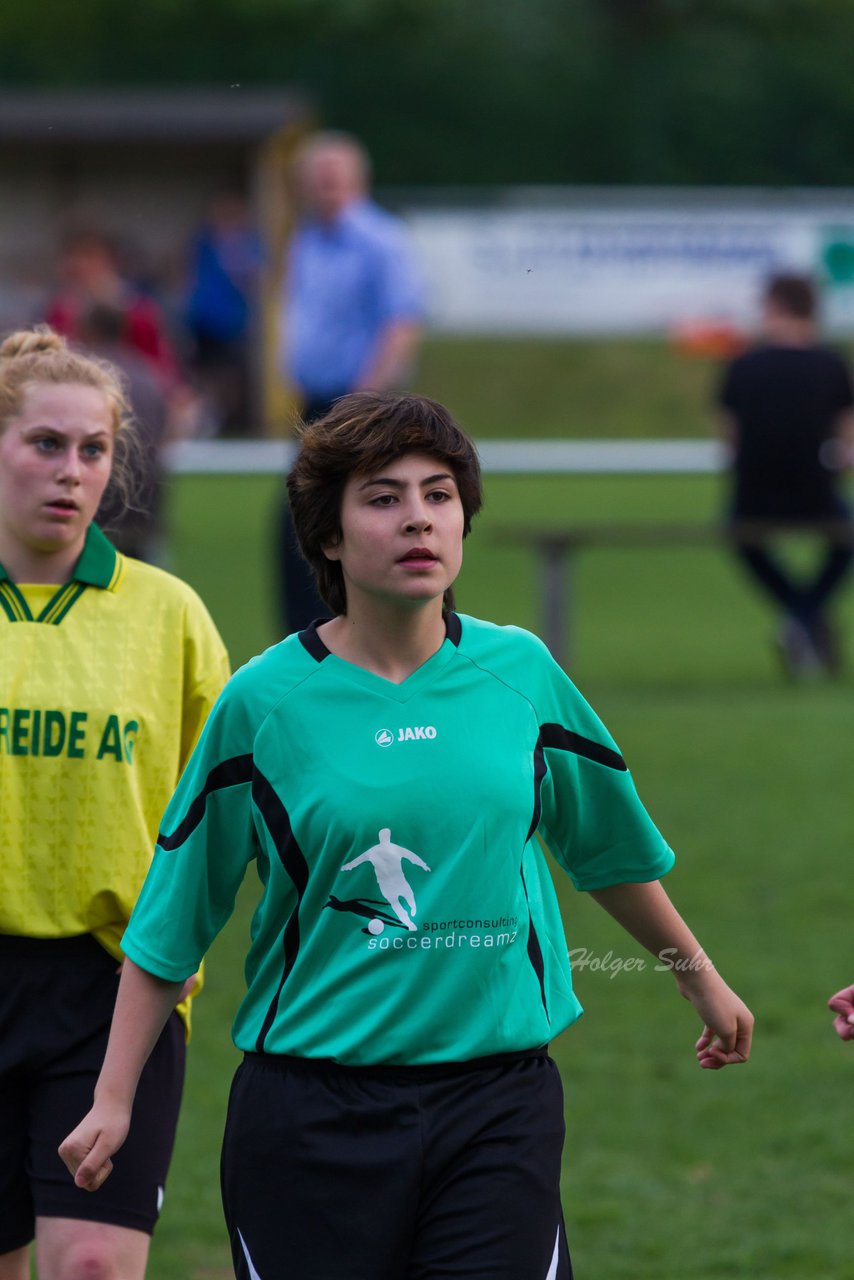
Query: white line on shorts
[
  {"x": 253, "y": 1274},
  {"x": 551, "y": 1274}
]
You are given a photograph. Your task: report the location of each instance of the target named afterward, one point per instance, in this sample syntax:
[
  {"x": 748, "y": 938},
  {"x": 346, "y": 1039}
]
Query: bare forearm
[
  {"x": 393, "y": 357},
  {"x": 143, "y": 1006},
  {"x": 646, "y": 912}
]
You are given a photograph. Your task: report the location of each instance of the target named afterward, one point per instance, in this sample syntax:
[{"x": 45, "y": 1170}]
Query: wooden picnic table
[{"x": 556, "y": 548}]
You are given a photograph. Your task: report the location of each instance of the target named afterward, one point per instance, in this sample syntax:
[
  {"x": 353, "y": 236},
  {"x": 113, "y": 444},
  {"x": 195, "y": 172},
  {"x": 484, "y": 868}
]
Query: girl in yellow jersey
[{"x": 108, "y": 668}]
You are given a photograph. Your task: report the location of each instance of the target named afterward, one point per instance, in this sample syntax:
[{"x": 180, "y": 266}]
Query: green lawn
[
  {"x": 670, "y": 1172},
  {"x": 572, "y": 388},
  {"x": 596, "y": 388},
  {"x": 553, "y": 387}
]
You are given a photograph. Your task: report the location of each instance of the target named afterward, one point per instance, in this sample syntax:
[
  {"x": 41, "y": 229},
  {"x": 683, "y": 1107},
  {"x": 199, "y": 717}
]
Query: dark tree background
[{"x": 755, "y": 92}]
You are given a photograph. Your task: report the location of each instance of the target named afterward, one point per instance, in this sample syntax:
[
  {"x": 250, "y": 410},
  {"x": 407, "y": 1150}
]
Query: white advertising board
[{"x": 590, "y": 269}]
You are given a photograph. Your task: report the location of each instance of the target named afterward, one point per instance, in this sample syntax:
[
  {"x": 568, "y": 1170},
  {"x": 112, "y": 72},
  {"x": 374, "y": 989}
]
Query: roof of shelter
[{"x": 176, "y": 115}]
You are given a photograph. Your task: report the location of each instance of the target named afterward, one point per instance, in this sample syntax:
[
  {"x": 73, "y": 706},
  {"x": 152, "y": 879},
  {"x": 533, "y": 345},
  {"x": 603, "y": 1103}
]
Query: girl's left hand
[{"x": 727, "y": 1022}]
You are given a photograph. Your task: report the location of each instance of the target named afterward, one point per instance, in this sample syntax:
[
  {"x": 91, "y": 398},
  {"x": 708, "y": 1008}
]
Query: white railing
[{"x": 518, "y": 457}]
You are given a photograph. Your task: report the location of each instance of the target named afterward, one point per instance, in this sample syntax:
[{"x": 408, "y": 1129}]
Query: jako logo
[{"x": 385, "y": 737}]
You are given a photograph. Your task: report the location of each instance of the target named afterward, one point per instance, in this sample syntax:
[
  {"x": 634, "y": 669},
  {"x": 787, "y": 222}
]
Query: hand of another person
[
  {"x": 87, "y": 1150},
  {"x": 842, "y": 1004},
  {"x": 189, "y": 987}
]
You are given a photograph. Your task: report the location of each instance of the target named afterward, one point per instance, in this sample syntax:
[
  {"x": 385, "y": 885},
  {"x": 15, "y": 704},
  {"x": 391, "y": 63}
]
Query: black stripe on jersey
[
  {"x": 230, "y": 773},
  {"x": 278, "y": 823},
  {"x": 312, "y": 643},
  {"x": 454, "y": 629},
  {"x": 539, "y": 774},
  {"x": 554, "y": 735},
  {"x": 535, "y": 954}
]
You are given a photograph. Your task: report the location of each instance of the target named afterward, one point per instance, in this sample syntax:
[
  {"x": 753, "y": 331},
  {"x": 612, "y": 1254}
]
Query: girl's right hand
[{"x": 87, "y": 1150}]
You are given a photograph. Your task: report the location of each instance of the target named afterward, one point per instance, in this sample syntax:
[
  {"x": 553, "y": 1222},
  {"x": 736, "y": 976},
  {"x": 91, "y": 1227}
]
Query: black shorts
[
  {"x": 337, "y": 1173},
  {"x": 56, "y": 1002}
]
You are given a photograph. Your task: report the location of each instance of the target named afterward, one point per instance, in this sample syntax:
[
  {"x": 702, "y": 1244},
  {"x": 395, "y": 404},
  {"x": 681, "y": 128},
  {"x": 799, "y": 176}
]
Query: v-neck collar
[
  {"x": 99, "y": 565},
  {"x": 369, "y": 680}
]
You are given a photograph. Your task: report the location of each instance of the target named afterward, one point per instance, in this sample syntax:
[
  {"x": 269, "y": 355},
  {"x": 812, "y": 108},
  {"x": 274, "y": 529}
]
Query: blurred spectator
[
  {"x": 133, "y": 521},
  {"x": 89, "y": 275},
  {"x": 226, "y": 257},
  {"x": 352, "y": 310},
  {"x": 786, "y": 405}
]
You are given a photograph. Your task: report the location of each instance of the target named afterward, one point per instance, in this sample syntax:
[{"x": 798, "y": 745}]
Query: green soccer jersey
[{"x": 406, "y": 911}]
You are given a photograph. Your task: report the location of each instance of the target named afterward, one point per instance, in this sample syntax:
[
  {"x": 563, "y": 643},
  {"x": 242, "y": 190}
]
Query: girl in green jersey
[{"x": 397, "y": 1115}]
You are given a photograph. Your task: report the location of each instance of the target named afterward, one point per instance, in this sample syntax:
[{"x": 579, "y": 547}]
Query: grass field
[
  {"x": 553, "y": 387},
  {"x": 597, "y": 388},
  {"x": 670, "y": 1172},
  {"x": 573, "y": 388},
  {"x": 546, "y": 388}
]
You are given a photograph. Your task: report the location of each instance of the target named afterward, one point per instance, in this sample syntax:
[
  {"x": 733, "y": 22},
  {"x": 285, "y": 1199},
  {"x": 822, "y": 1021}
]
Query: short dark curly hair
[{"x": 360, "y": 434}]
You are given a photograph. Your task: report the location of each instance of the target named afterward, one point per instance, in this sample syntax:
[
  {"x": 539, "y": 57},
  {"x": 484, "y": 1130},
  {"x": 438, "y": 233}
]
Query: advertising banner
[{"x": 590, "y": 269}]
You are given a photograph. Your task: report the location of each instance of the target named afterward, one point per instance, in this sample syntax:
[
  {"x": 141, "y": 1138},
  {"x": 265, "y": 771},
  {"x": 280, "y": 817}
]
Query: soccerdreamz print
[{"x": 398, "y": 910}]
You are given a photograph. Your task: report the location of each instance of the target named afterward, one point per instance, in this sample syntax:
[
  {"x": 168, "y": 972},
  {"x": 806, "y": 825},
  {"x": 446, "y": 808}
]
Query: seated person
[{"x": 786, "y": 405}]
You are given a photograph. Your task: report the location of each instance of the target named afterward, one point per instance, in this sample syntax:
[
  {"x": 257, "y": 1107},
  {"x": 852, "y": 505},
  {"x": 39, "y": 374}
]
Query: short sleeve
[
  {"x": 591, "y": 818},
  {"x": 206, "y": 841},
  {"x": 206, "y": 669},
  {"x": 400, "y": 288}
]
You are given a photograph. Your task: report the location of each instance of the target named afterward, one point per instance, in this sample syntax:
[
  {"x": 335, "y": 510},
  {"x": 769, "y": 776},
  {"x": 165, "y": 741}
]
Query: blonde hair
[{"x": 40, "y": 356}]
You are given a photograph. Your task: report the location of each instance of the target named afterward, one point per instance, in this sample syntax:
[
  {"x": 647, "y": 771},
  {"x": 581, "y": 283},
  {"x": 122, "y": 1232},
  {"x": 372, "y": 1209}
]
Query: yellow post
[{"x": 279, "y": 407}]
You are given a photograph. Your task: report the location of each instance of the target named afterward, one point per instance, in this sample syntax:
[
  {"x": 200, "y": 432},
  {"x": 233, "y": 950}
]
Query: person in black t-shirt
[{"x": 786, "y": 406}]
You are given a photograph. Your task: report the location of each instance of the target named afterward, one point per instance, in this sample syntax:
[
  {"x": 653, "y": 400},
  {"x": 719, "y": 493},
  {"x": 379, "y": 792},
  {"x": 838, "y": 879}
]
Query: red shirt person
[{"x": 90, "y": 275}]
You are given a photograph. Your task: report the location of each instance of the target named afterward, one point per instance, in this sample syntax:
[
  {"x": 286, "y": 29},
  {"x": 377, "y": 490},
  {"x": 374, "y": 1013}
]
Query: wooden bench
[{"x": 556, "y": 549}]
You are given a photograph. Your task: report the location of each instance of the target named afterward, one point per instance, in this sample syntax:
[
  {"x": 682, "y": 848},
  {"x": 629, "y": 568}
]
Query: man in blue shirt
[{"x": 352, "y": 310}]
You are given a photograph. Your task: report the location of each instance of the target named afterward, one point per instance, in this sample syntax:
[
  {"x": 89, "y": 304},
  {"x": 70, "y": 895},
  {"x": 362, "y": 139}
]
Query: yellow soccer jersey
[{"x": 105, "y": 684}]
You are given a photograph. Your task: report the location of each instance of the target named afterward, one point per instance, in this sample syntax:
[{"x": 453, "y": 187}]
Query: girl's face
[
  {"x": 55, "y": 461},
  {"x": 401, "y": 532}
]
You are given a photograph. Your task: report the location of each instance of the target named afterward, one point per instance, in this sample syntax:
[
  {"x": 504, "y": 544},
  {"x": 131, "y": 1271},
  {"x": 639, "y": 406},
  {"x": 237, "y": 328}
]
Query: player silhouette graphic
[{"x": 387, "y": 861}]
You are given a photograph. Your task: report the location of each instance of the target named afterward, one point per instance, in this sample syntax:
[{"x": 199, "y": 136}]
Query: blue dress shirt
[{"x": 346, "y": 282}]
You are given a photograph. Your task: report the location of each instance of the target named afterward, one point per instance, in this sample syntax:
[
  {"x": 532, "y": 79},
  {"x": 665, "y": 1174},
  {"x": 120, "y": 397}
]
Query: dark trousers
[
  {"x": 804, "y": 599},
  {"x": 299, "y": 599},
  {"x": 300, "y": 602}
]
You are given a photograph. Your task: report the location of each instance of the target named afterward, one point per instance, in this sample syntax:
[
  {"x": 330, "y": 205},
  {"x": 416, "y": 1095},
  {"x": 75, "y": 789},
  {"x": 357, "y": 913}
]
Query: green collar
[{"x": 98, "y": 566}]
